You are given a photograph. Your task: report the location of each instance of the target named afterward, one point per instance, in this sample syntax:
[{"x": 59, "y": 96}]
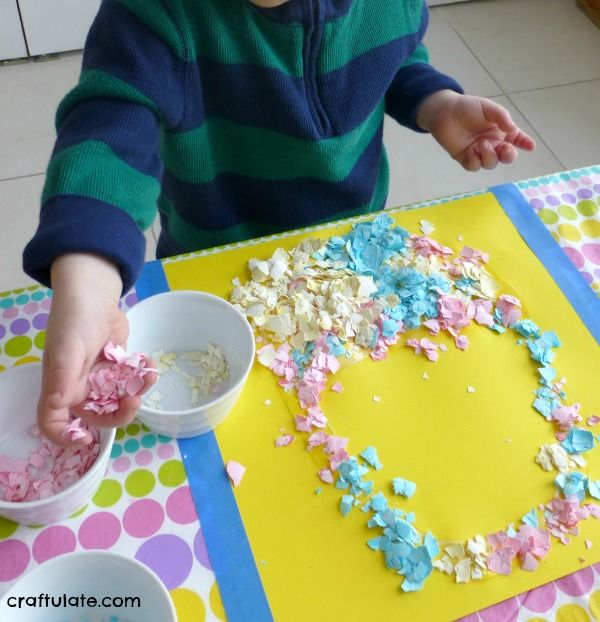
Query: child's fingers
[
  {"x": 60, "y": 388},
  {"x": 501, "y": 117},
  {"x": 523, "y": 141},
  {"x": 469, "y": 160},
  {"x": 507, "y": 154},
  {"x": 489, "y": 158},
  {"x": 150, "y": 378},
  {"x": 497, "y": 114},
  {"x": 128, "y": 406},
  {"x": 61, "y": 377},
  {"x": 53, "y": 424}
]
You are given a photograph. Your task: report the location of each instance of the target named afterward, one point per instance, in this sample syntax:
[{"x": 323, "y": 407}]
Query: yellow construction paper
[{"x": 471, "y": 454}]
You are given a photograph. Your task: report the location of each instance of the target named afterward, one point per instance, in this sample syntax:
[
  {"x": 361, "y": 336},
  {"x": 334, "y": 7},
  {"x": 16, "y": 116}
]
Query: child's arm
[
  {"x": 84, "y": 317},
  {"x": 101, "y": 190},
  {"x": 475, "y": 131},
  {"x": 415, "y": 82},
  {"x": 103, "y": 179}
]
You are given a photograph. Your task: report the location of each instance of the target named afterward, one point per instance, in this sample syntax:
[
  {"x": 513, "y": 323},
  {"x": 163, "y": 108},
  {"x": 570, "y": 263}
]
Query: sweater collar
[{"x": 296, "y": 11}]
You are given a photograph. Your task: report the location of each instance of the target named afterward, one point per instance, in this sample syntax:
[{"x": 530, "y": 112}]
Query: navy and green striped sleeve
[
  {"x": 263, "y": 120},
  {"x": 416, "y": 80},
  {"x": 103, "y": 178}
]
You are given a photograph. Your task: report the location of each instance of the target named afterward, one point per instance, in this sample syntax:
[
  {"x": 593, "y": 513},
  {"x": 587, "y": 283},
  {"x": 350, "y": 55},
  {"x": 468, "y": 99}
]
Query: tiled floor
[{"x": 539, "y": 58}]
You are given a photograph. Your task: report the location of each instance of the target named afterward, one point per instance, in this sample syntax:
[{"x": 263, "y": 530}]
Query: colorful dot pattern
[
  {"x": 569, "y": 205},
  {"x": 23, "y": 321},
  {"x": 574, "y": 598},
  {"x": 142, "y": 509}
]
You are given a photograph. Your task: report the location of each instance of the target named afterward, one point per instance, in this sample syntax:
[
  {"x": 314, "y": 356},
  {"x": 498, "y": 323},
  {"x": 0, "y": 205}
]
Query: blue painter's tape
[
  {"x": 538, "y": 238},
  {"x": 231, "y": 557},
  {"x": 153, "y": 280},
  {"x": 242, "y": 592}
]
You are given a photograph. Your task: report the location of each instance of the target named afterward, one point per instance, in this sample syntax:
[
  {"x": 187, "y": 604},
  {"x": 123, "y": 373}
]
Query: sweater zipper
[{"x": 313, "y": 39}]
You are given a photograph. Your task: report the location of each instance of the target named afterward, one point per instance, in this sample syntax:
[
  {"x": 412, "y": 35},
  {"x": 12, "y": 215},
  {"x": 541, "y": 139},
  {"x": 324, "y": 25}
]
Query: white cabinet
[
  {"x": 56, "y": 25},
  {"x": 12, "y": 43}
]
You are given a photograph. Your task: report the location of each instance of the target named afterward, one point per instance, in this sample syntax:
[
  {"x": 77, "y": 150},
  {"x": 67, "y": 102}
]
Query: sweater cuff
[
  {"x": 411, "y": 86},
  {"x": 77, "y": 224}
]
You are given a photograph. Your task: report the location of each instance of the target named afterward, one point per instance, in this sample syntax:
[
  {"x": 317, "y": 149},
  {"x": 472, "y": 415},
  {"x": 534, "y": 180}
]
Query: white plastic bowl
[
  {"x": 19, "y": 392},
  {"x": 94, "y": 574},
  {"x": 184, "y": 321}
]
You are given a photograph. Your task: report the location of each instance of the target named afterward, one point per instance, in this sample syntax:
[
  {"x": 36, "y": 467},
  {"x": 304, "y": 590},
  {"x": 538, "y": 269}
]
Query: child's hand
[
  {"x": 475, "y": 131},
  {"x": 84, "y": 317}
]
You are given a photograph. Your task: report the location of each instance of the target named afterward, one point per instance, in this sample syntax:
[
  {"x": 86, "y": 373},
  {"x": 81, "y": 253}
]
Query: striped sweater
[{"x": 234, "y": 120}]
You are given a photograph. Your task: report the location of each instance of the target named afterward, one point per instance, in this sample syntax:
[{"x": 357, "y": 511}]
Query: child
[{"x": 238, "y": 118}]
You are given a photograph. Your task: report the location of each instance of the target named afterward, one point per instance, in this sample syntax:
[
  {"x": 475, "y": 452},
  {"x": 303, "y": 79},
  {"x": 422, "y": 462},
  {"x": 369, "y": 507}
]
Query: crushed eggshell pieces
[
  {"x": 208, "y": 376},
  {"x": 236, "y": 472},
  {"x": 357, "y": 295}
]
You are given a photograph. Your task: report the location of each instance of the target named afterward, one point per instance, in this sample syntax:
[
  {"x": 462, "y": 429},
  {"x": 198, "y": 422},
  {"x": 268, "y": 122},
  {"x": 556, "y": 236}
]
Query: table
[
  {"x": 144, "y": 507},
  {"x": 592, "y": 8}
]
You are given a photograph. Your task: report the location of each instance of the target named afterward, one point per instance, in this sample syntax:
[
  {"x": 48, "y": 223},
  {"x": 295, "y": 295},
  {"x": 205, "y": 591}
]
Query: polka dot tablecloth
[
  {"x": 574, "y": 598},
  {"x": 144, "y": 509},
  {"x": 23, "y": 320},
  {"x": 569, "y": 205}
]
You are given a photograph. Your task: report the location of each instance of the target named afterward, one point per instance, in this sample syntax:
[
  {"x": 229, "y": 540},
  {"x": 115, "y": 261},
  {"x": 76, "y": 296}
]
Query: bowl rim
[
  {"x": 102, "y": 456},
  {"x": 47, "y": 566},
  {"x": 200, "y": 296},
  {"x": 204, "y": 425}
]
